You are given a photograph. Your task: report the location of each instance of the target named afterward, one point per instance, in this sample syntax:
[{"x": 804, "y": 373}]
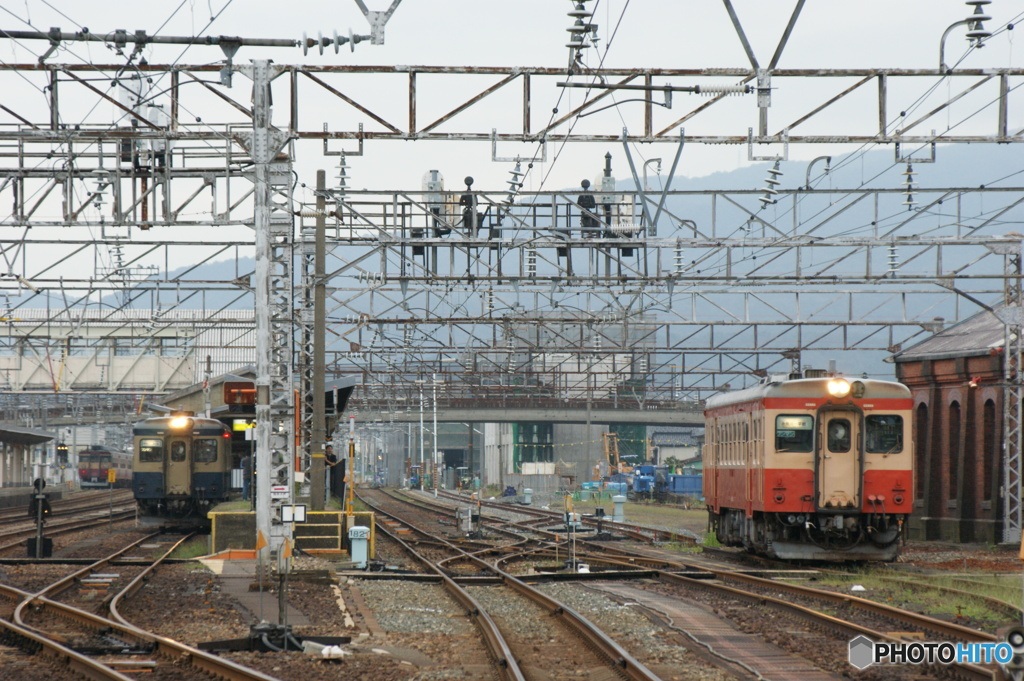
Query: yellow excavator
[{"x": 611, "y": 455}]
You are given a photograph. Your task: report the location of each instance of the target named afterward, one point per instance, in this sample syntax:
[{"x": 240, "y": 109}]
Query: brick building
[{"x": 955, "y": 377}]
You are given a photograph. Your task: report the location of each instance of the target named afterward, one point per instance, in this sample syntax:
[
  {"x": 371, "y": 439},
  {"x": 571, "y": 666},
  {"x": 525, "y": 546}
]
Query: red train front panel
[{"x": 794, "y": 471}]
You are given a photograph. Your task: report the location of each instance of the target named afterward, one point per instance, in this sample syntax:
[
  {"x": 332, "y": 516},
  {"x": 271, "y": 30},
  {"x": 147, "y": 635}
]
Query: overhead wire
[
  {"x": 551, "y": 119},
  {"x": 127, "y": 65},
  {"x": 562, "y": 94},
  {"x": 863, "y": 150}
]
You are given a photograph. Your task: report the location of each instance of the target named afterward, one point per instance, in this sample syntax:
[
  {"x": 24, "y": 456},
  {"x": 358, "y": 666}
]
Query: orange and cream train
[{"x": 810, "y": 468}]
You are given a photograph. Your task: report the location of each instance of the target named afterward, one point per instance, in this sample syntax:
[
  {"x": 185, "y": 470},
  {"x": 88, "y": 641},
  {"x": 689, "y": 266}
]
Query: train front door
[
  {"x": 179, "y": 468},
  {"x": 839, "y": 460}
]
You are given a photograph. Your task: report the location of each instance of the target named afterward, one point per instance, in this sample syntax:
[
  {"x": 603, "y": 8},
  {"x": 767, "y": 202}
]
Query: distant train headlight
[
  {"x": 897, "y": 499},
  {"x": 181, "y": 422},
  {"x": 839, "y": 387}
]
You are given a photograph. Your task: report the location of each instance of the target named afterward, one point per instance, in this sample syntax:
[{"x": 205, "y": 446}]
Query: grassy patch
[
  {"x": 710, "y": 540},
  {"x": 233, "y": 506},
  {"x": 683, "y": 547},
  {"x": 193, "y": 548},
  {"x": 921, "y": 595}
]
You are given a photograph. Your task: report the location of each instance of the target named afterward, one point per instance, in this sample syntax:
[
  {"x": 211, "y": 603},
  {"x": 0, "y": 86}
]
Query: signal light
[{"x": 1014, "y": 668}]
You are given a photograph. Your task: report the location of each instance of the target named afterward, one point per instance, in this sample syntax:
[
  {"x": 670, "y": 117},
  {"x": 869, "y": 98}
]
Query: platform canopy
[{"x": 23, "y": 436}]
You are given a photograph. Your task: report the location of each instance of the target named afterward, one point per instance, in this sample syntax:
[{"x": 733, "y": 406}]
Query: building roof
[
  {"x": 244, "y": 373},
  {"x": 23, "y": 436},
  {"x": 981, "y": 334},
  {"x": 688, "y": 437}
]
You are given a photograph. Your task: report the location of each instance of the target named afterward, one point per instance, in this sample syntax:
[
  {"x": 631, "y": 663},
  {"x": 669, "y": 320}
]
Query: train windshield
[
  {"x": 205, "y": 450},
  {"x": 883, "y": 434},
  {"x": 94, "y": 458},
  {"x": 151, "y": 450},
  {"x": 794, "y": 433},
  {"x": 178, "y": 451},
  {"x": 839, "y": 435}
]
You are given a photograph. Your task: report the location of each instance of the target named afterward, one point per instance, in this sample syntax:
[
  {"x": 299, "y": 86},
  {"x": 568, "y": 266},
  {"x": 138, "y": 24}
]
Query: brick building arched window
[
  {"x": 953, "y": 449},
  {"x": 920, "y": 448},
  {"x": 989, "y": 448}
]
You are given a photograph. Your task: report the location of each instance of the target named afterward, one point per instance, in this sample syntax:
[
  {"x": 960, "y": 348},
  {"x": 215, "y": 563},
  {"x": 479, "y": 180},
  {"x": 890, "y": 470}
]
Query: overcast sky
[{"x": 635, "y": 33}]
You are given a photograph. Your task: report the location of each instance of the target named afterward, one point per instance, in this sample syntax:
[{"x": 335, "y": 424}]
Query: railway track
[
  {"x": 848, "y": 616},
  {"x": 581, "y": 644},
  {"x": 640, "y": 533},
  {"x": 83, "y": 511},
  {"x": 70, "y": 506},
  {"x": 102, "y": 645},
  {"x": 14, "y": 538}
]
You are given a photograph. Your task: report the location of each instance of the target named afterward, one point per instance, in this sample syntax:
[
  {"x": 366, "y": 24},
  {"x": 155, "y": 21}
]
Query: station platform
[
  {"x": 12, "y": 497},
  {"x": 237, "y": 578}
]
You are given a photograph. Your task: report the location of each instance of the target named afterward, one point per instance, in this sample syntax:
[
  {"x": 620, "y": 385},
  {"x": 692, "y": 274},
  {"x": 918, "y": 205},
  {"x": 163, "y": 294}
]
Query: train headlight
[
  {"x": 838, "y": 387},
  {"x": 181, "y": 422}
]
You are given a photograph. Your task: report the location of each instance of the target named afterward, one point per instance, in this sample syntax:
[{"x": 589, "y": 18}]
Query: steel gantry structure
[{"x": 198, "y": 195}]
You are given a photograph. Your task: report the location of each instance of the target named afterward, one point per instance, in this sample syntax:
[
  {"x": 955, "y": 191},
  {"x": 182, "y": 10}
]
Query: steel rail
[
  {"x": 77, "y": 662},
  {"x": 68, "y": 505},
  {"x": 505, "y": 661},
  {"x": 932, "y": 625},
  {"x": 618, "y": 656},
  {"x": 68, "y": 526},
  {"x": 966, "y": 671},
  {"x": 1013, "y": 612},
  {"x": 842, "y": 627},
  {"x": 65, "y": 582},
  {"x": 168, "y": 648},
  {"x": 140, "y": 579},
  {"x": 647, "y": 535}
]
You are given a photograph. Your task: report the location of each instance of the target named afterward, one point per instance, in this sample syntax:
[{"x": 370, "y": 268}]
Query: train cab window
[
  {"x": 883, "y": 434},
  {"x": 839, "y": 435},
  {"x": 205, "y": 450},
  {"x": 794, "y": 433},
  {"x": 151, "y": 450},
  {"x": 178, "y": 451}
]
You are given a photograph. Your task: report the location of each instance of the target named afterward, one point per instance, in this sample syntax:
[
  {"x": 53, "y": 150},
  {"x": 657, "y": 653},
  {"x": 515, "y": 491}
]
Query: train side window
[
  {"x": 839, "y": 435},
  {"x": 151, "y": 450},
  {"x": 883, "y": 434},
  {"x": 794, "y": 433},
  {"x": 177, "y": 451},
  {"x": 205, "y": 450}
]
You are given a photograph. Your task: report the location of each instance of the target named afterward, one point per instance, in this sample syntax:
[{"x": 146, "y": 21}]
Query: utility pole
[
  {"x": 317, "y": 486},
  {"x": 423, "y": 468},
  {"x": 206, "y": 386},
  {"x": 433, "y": 399},
  {"x": 272, "y": 289}
]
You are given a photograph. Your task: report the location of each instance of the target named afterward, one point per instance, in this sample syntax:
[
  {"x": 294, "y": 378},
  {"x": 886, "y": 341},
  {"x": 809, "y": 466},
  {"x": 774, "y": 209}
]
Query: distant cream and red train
[
  {"x": 95, "y": 464},
  {"x": 811, "y": 468}
]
